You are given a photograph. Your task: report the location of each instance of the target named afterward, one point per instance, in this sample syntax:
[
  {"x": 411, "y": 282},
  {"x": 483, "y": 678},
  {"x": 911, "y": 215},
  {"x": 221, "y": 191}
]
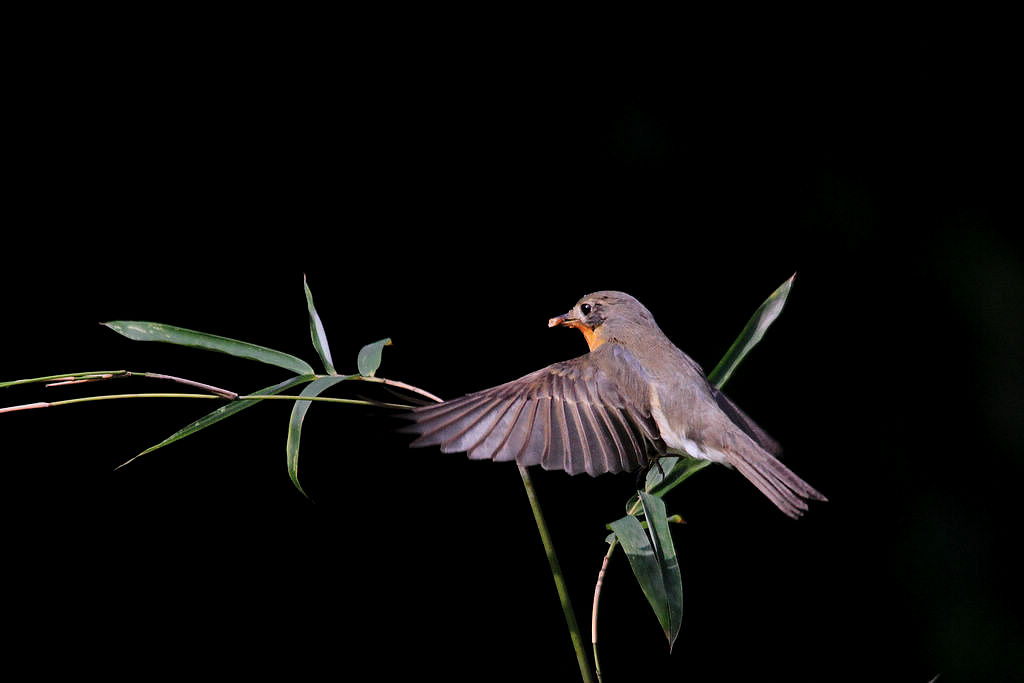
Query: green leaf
[
  {"x": 654, "y": 563},
  {"x": 368, "y": 359},
  {"x": 295, "y": 424},
  {"x": 664, "y": 548},
  {"x": 316, "y": 331},
  {"x": 764, "y": 316},
  {"x": 644, "y": 561},
  {"x": 225, "y": 411},
  {"x": 147, "y": 331}
]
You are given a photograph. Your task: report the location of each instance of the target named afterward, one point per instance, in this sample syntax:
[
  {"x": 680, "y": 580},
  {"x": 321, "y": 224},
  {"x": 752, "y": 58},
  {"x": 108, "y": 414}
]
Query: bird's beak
[{"x": 566, "y": 319}]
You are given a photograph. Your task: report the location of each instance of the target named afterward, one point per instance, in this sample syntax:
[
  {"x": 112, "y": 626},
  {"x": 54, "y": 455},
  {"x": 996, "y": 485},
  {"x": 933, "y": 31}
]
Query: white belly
[{"x": 677, "y": 440}]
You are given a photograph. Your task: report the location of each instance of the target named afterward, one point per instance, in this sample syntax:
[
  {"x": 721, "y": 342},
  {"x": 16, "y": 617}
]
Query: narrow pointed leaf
[
  {"x": 664, "y": 548},
  {"x": 316, "y": 331},
  {"x": 751, "y": 334},
  {"x": 295, "y": 424},
  {"x": 147, "y": 331},
  {"x": 225, "y": 411},
  {"x": 368, "y": 359},
  {"x": 652, "y": 556},
  {"x": 644, "y": 560}
]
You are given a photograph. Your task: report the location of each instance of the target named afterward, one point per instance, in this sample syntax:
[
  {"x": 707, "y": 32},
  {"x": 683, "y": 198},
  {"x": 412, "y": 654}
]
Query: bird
[{"x": 633, "y": 398}]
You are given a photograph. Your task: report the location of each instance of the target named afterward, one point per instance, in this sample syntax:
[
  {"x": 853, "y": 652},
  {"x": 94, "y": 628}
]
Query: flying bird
[{"x": 633, "y": 398}]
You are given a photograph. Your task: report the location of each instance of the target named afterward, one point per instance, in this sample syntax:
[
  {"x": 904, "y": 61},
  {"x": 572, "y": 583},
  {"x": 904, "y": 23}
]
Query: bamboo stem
[
  {"x": 219, "y": 396},
  {"x": 556, "y": 572}
]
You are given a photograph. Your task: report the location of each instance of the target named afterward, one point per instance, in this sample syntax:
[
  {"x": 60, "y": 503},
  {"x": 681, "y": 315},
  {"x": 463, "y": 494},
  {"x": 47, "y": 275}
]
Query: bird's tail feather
[{"x": 789, "y": 492}]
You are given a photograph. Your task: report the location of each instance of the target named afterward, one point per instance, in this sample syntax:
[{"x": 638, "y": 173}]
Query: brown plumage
[{"x": 633, "y": 398}]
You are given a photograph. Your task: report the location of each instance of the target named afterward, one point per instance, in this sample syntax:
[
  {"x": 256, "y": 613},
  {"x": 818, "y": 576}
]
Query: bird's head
[{"x": 605, "y": 315}]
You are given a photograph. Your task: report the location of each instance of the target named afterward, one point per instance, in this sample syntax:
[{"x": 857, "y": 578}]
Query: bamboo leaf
[
  {"x": 317, "y": 332},
  {"x": 764, "y": 316},
  {"x": 668, "y": 563},
  {"x": 644, "y": 561},
  {"x": 295, "y": 424},
  {"x": 652, "y": 557},
  {"x": 225, "y": 411},
  {"x": 148, "y": 331},
  {"x": 368, "y": 359}
]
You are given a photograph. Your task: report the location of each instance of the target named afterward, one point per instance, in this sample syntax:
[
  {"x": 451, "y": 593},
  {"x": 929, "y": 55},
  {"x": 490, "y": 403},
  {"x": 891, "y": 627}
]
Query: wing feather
[
  {"x": 490, "y": 446},
  {"x": 588, "y": 414}
]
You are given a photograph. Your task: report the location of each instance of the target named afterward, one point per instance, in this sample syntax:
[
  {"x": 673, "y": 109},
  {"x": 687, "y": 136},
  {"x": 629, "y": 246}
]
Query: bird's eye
[{"x": 585, "y": 309}]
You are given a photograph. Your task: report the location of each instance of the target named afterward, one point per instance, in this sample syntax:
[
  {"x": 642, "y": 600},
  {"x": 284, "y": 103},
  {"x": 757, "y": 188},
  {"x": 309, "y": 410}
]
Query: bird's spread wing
[{"x": 589, "y": 414}]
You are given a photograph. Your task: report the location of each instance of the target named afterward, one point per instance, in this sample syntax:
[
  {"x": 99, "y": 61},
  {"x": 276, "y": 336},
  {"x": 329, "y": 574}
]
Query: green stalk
[
  {"x": 556, "y": 572},
  {"x": 255, "y": 397},
  {"x": 549, "y": 550},
  {"x": 106, "y": 397}
]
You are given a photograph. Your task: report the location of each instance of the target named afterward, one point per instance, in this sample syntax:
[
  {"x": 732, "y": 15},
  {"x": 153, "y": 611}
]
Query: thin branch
[
  {"x": 231, "y": 395},
  {"x": 556, "y": 572},
  {"x": 95, "y": 376},
  {"x": 215, "y": 392},
  {"x": 246, "y": 397},
  {"x": 597, "y": 599},
  {"x": 79, "y": 380},
  {"x": 401, "y": 385},
  {"x": 105, "y": 397},
  {"x": 67, "y": 377},
  {"x": 597, "y": 592},
  {"x": 25, "y": 406}
]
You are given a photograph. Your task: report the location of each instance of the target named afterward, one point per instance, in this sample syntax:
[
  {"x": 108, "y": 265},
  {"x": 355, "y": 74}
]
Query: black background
[{"x": 452, "y": 190}]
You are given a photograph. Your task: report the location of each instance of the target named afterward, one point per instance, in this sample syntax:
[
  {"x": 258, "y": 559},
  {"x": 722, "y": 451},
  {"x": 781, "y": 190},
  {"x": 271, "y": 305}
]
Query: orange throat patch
[{"x": 593, "y": 340}]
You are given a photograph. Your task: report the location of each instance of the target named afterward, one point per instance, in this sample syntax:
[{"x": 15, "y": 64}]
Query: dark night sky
[{"x": 453, "y": 195}]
